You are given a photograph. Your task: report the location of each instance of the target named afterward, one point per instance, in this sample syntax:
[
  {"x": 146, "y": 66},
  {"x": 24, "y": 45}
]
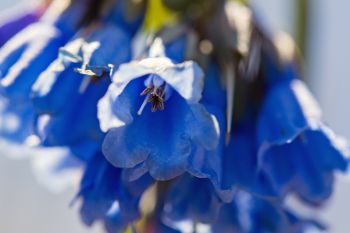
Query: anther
[{"x": 155, "y": 96}]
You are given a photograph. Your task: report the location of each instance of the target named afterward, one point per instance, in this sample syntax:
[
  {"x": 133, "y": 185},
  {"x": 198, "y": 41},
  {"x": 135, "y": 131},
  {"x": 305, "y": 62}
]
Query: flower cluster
[{"x": 184, "y": 116}]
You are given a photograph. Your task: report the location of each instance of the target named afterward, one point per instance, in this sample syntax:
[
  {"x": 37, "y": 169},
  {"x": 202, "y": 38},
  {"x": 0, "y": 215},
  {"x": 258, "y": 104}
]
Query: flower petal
[
  {"x": 158, "y": 138},
  {"x": 297, "y": 152}
]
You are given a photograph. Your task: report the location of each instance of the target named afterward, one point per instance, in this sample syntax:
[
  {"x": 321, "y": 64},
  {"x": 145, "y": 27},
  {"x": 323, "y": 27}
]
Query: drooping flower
[
  {"x": 23, "y": 58},
  {"x": 191, "y": 199},
  {"x": 84, "y": 78},
  {"x": 105, "y": 197},
  {"x": 31, "y": 51},
  {"x": 163, "y": 119},
  {"x": 297, "y": 151},
  {"x": 255, "y": 215},
  {"x": 153, "y": 116}
]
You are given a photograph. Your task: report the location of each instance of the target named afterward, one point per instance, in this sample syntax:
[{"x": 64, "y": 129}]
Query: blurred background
[{"x": 319, "y": 26}]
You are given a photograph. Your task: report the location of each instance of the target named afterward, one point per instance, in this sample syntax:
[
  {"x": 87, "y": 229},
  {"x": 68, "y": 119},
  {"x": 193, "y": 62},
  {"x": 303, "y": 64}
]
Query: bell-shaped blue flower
[
  {"x": 70, "y": 96},
  {"x": 25, "y": 56},
  {"x": 105, "y": 197},
  {"x": 191, "y": 199},
  {"x": 255, "y": 215},
  {"x": 153, "y": 116},
  {"x": 30, "y": 52},
  {"x": 297, "y": 151},
  {"x": 232, "y": 164},
  {"x": 240, "y": 164}
]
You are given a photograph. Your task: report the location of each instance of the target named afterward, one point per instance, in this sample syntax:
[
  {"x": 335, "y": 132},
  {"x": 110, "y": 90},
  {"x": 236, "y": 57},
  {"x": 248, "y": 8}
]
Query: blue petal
[
  {"x": 158, "y": 137},
  {"x": 85, "y": 150},
  {"x": 213, "y": 93},
  {"x": 251, "y": 214},
  {"x": 204, "y": 163},
  {"x": 117, "y": 108},
  {"x": 13, "y": 49},
  {"x": 162, "y": 140},
  {"x": 106, "y": 198},
  {"x": 297, "y": 152},
  {"x": 277, "y": 71},
  {"x": 193, "y": 199},
  {"x": 239, "y": 161},
  {"x": 228, "y": 220},
  {"x": 75, "y": 114},
  {"x": 186, "y": 78},
  {"x": 99, "y": 189},
  {"x": 134, "y": 173},
  {"x": 288, "y": 109},
  {"x": 78, "y": 120},
  {"x": 306, "y": 165},
  {"x": 37, "y": 56},
  {"x": 54, "y": 89},
  {"x": 115, "y": 223},
  {"x": 52, "y": 92},
  {"x": 176, "y": 49}
]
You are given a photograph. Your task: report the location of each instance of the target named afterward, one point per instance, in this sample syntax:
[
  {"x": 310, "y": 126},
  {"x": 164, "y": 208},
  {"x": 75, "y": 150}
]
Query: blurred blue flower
[
  {"x": 191, "y": 199},
  {"x": 105, "y": 197},
  {"x": 23, "y": 58},
  {"x": 161, "y": 140},
  {"x": 31, "y": 51},
  {"x": 249, "y": 214},
  {"x": 240, "y": 164},
  {"x": 297, "y": 151},
  {"x": 68, "y": 96},
  {"x": 218, "y": 161}
]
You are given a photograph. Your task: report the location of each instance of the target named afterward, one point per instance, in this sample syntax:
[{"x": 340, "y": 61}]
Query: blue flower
[
  {"x": 232, "y": 164},
  {"x": 25, "y": 56},
  {"x": 140, "y": 134},
  {"x": 105, "y": 197},
  {"x": 31, "y": 51},
  {"x": 204, "y": 162},
  {"x": 297, "y": 151},
  {"x": 67, "y": 97},
  {"x": 240, "y": 164},
  {"x": 191, "y": 199},
  {"x": 254, "y": 215}
]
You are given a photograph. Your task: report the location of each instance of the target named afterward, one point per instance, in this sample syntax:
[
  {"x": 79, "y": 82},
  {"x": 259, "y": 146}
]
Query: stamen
[
  {"x": 147, "y": 90},
  {"x": 155, "y": 96}
]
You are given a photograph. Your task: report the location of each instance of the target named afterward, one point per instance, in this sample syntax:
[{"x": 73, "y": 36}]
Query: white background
[{"x": 25, "y": 206}]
